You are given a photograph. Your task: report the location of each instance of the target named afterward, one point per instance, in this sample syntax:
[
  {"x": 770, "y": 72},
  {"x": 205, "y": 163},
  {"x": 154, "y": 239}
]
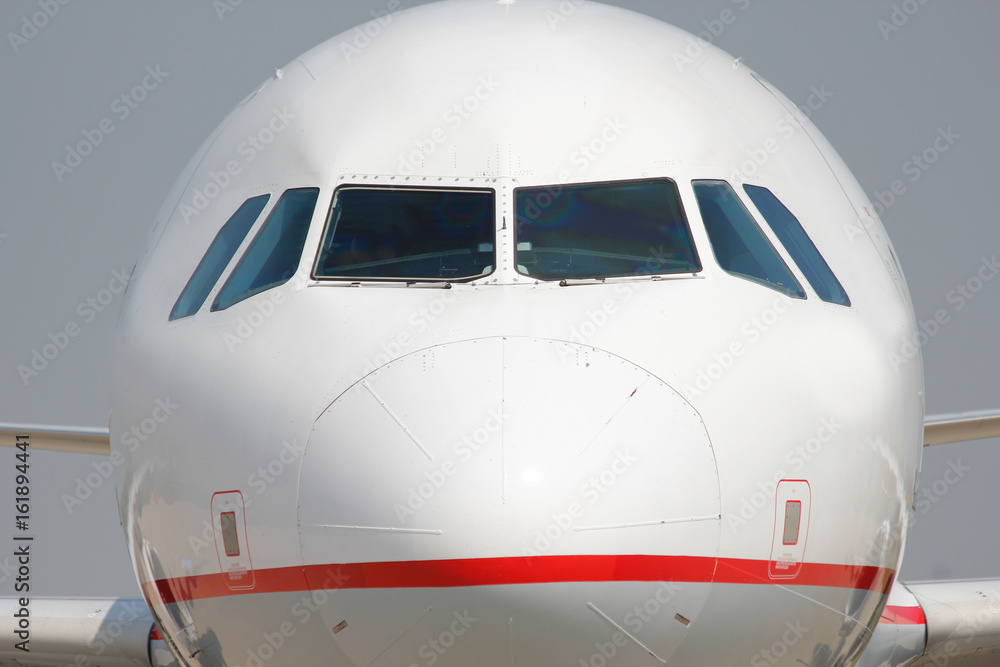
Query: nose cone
[{"x": 534, "y": 483}]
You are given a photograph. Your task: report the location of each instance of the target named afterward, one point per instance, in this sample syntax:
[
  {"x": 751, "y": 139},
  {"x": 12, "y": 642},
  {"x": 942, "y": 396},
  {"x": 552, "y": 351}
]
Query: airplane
[{"x": 559, "y": 383}]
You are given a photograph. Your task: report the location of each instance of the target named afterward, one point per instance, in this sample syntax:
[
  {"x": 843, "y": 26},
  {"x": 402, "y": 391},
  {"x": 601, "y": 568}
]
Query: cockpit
[{"x": 565, "y": 232}]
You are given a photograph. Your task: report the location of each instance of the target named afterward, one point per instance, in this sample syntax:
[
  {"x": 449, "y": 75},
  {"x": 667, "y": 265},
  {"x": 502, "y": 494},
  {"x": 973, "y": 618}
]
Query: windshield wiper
[
  {"x": 576, "y": 282},
  {"x": 429, "y": 283}
]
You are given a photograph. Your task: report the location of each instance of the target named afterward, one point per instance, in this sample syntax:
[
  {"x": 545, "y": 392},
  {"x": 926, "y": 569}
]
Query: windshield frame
[
  {"x": 654, "y": 261},
  {"x": 330, "y": 228}
]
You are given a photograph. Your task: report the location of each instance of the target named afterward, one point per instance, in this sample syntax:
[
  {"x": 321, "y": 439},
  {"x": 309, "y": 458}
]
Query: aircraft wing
[
  {"x": 938, "y": 623},
  {"x": 953, "y": 623},
  {"x": 942, "y": 429},
  {"x": 962, "y": 620},
  {"x": 109, "y": 632},
  {"x": 938, "y": 430},
  {"x": 78, "y": 439},
  {"x": 49, "y": 632}
]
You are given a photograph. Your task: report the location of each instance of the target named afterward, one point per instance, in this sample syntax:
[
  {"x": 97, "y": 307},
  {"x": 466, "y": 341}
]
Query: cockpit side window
[
  {"x": 603, "y": 230},
  {"x": 217, "y": 257},
  {"x": 408, "y": 234},
  {"x": 739, "y": 245},
  {"x": 789, "y": 231},
  {"x": 275, "y": 252}
]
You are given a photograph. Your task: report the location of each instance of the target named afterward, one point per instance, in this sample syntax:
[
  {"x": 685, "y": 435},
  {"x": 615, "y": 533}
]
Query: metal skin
[{"x": 510, "y": 471}]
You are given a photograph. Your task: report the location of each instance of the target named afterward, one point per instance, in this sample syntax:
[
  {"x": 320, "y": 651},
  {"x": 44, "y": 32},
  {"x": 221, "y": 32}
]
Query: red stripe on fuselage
[
  {"x": 518, "y": 570},
  {"x": 894, "y": 615}
]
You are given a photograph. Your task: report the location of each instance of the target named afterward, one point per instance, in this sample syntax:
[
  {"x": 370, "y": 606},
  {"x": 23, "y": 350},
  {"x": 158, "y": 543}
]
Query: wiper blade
[
  {"x": 429, "y": 283},
  {"x": 575, "y": 282},
  {"x": 566, "y": 282}
]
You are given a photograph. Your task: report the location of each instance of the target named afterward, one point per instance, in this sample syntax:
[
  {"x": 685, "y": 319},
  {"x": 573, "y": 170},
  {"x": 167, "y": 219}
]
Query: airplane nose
[{"x": 530, "y": 484}]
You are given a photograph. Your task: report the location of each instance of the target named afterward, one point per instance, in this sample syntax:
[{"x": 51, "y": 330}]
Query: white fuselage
[{"x": 509, "y": 470}]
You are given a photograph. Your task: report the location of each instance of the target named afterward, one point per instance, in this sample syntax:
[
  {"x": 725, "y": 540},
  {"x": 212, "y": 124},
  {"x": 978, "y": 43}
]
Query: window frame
[
  {"x": 328, "y": 229},
  {"x": 765, "y": 233},
  {"x": 262, "y": 227},
  {"x": 208, "y": 297},
  {"x": 810, "y": 269},
  {"x": 685, "y": 219}
]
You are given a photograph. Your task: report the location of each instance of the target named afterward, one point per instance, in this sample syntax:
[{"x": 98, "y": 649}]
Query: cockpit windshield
[
  {"x": 420, "y": 234},
  {"x": 603, "y": 230}
]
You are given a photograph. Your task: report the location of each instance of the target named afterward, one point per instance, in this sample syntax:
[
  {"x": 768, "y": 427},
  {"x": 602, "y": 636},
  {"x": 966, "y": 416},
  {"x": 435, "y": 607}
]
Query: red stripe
[
  {"x": 903, "y": 615},
  {"x": 864, "y": 577},
  {"x": 518, "y": 570}
]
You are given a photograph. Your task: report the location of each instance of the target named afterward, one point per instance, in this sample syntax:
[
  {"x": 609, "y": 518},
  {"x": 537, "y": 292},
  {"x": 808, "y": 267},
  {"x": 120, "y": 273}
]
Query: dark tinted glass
[
  {"x": 217, "y": 257},
  {"x": 275, "y": 252},
  {"x": 600, "y": 230},
  {"x": 798, "y": 244},
  {"x": 408, "y": 234},
  {"x": 739, "y": 245}
]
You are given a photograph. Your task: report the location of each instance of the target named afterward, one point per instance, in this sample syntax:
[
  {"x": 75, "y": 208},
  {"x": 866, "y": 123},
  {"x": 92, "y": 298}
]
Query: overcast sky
[{"x": 897, "y": 76}]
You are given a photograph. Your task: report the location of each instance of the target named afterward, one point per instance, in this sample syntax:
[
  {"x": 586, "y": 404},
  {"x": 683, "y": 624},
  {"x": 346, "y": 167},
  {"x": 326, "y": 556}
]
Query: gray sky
[{"x": 892, "y": 87}]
